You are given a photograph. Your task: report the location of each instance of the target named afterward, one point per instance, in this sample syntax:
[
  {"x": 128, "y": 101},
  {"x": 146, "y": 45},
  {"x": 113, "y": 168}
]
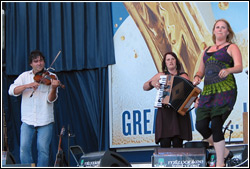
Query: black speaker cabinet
[{"x": 103, "y": 159}]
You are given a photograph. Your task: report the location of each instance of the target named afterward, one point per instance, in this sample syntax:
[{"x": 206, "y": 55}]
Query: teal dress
[{"x": 219, "y": 94}]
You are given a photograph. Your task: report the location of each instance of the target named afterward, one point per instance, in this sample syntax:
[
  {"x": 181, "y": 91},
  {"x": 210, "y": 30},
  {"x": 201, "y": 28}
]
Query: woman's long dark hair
[{"x": 164, "y": 66}]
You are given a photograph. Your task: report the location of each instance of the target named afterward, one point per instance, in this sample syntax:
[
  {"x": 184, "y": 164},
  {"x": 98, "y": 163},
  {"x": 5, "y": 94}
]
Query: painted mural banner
[{"x": 143, "y": 32}]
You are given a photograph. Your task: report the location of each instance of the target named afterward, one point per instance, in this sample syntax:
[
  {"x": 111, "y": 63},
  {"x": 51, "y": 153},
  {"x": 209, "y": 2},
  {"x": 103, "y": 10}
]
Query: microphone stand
[
  {"x": 231, "y": 131},
  {"x": 229, "y": 140},
  {"x": 69, "y": 135}
]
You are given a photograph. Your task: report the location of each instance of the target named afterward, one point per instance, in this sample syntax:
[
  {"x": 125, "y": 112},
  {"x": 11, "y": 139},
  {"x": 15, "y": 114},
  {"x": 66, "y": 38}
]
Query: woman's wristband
[{"x": 150, "y": 84}]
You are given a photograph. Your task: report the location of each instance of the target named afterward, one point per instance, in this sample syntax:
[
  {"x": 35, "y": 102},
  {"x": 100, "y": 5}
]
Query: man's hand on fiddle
[{"x": 55, "y": 83}]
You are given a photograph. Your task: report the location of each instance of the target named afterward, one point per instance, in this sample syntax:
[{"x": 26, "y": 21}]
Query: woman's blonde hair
[{"x": 230, "y": 36}]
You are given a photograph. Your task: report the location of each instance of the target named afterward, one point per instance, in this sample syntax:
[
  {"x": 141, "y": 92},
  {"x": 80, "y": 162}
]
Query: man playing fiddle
[{"x": 37, "y": 113}]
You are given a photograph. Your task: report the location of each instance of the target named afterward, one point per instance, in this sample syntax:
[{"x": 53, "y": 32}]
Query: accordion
[{"x": 177, "y": 92}]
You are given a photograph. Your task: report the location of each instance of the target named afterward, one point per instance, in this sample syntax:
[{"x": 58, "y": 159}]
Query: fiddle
[{"x": 43, "y": 77}]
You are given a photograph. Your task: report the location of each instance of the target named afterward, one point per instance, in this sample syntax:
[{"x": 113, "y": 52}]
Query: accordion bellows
[{"x": 177, "y": 92}]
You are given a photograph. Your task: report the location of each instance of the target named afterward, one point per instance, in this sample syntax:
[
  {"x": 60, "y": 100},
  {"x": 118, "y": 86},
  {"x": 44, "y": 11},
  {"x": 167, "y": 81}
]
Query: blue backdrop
[{"x": 83, "y": 31}]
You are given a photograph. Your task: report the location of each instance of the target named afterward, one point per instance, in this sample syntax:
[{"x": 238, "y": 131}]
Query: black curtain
[{"x": 83, "y": 32}]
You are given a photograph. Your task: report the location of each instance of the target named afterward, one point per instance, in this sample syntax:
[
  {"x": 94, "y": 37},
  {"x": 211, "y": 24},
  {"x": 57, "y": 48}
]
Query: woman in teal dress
[{"x": 218, "y": 97}]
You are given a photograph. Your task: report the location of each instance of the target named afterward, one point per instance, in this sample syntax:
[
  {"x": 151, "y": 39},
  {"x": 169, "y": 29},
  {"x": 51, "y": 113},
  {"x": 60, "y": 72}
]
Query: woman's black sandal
[{"x": 229, "y": 157}]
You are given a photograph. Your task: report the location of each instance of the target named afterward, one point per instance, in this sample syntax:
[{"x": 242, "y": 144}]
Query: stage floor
[{"x": 142, "y": 165}]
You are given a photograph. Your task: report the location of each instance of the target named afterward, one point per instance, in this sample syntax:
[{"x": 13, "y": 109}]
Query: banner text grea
[{"x": 137, "y": 122}]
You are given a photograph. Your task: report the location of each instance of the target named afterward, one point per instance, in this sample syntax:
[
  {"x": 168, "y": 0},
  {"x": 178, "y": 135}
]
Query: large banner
[{"x": 143, "y": 32}]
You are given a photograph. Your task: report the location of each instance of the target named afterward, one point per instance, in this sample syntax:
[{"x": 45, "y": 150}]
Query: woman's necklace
[{"x": 217, "y": 46}]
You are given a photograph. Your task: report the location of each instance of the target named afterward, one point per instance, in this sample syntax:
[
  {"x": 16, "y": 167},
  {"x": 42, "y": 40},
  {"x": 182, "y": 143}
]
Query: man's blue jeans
[{"x": 44, "y": 136}]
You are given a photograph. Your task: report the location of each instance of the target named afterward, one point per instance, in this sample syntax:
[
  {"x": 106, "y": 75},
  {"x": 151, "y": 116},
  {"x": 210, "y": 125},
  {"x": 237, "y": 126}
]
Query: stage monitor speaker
[
  {"x": 103, "y": 159},
  {"x": 112, "y": 159},
  {"x": 179, "y": 157},
  {"x": 197, "y": 144}
]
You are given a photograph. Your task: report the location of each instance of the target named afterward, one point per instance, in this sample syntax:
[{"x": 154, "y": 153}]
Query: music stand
[{"x": 76, "y": 152}]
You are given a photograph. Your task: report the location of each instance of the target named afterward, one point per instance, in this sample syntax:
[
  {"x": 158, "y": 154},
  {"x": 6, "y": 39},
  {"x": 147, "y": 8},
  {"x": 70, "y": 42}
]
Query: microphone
[{"x": 227, "y": 126}]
